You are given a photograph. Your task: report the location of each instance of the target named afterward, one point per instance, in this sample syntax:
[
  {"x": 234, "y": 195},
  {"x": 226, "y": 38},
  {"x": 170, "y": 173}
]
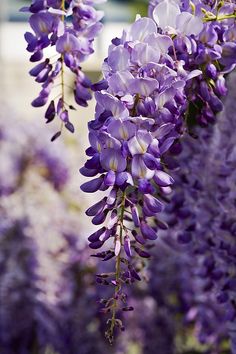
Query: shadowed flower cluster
[{"x": 201, "y": 215}]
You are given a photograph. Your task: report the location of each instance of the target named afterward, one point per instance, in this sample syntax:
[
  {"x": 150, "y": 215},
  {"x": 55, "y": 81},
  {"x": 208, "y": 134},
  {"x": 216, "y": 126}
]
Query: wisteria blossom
[
  {"x": 162, "y": 87},
  {"x": 144, "y": 104},
  {"x": 47, "y": 278},
  {"x": 201, "y": 213},
  {"x": 213, "y": 50},
  {"x": 70, "y": 27}
]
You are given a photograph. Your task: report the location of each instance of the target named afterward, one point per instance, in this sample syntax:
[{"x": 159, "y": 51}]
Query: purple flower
[
  {"x": 201, "y": 220},
  {"x": 73, "y": 43},
  {"x": 42, "y": 23},
  {"x": 152, "y": 92},
  {"x": 68, "y": 43},
  {"x": 113, "y": 160}
]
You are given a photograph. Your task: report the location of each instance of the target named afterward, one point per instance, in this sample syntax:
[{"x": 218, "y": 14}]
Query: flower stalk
[
  {"x": 219, "y": 18},
  {"x": 115, "y": 308},
  {"x": 160, "y": 80}
]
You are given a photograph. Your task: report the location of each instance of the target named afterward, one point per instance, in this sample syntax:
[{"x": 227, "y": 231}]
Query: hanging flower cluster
[
  {"x": 213, "y": 52},
  {"x": 47, "y": 283},
  {"x": 70, "y": 26},
  {"x": 207, "y": 228},
  {"x": 142, "y": 108}
]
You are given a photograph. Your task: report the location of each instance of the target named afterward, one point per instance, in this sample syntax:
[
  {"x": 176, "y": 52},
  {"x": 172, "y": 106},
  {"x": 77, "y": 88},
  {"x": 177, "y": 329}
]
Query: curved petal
[
  {"x": 112, "y": 159},
  {"x": 188, "y": 24},
  {"x": 139, "y": 169},
  {"x": 92, "y": 186},
  {"x": 165, "y": 14},
  {"x": 141, "y": 28},
  {"x": 163, "y": 179}
]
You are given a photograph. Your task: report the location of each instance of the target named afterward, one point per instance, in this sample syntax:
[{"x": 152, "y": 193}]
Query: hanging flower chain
[
  {"x": 163, "y": 76},
  {"x": 70, "y": 26}
]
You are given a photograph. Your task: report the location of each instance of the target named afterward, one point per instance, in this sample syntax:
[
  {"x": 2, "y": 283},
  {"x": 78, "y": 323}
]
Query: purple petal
[
  {"x": 36, "y": 56},
  {"x": 88, "y": 172},
  {"x": 150, "y": 161},
  {"x": 96, "y": 208},
  {"x": 165, "y": 14},
  {"x": 167, "y": 144},
  {"x": 163, "y": 179},
  {"x": 118, "y": 59},
  {"x": 121, "y": 130},
  {"x": 127, "y": 246},
  {"x": 113, "y": 160},
  {"x": 143, "y": 86},
  {"x": 141, "y": 252},
  {"x": 143, "y": 54},
  {"x": 110, "y": 178},
  {"x": 141, "y": 28},
  {"x": 95, "y": 245},
  {"x": 139, "y": 238},
  {"x": 145, "y": 186},
  {"x": 188, "y": 24},
  {"x": 148, "y": 231},
  {"x": 139, "y": 169},
  {"x": 139, "y": 143},
  {"x": 69, "y": 126},
  {"x": 135, "y": 215},
  {"x": 92, "y": 186},
  {"x": 50, "y": 112},
  {"x": 42, "y": 23},
  {"x": 64, "y": 116},
  {"x": 67, "y": 43},
  {"x": 112, "y": 197},
  {"x": 153, "y": 203},
  {"x": 39, "y": 101},
  {"x": 99, "y": 218},
  {"x": 113, "y": 220},
  {"x": 95, "y": 236},
  {"x": 117, "y": 246}
]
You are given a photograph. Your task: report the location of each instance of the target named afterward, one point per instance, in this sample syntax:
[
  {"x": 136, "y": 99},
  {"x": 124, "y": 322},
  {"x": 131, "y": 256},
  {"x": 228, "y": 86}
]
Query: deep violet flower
[
  {"x": 73, "y": 42},
  {"x": 143, "y": 106},
  {"x": 135, "y": 124},
  {"x": 201, "y": 218}
]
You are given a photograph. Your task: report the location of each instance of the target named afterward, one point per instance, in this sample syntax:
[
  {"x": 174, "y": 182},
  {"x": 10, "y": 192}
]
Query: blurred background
[{"x": 48, "y": 299}]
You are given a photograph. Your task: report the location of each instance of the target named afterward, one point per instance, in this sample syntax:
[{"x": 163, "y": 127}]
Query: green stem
[
  {"x": 133, "y": 111},
  {"x": 118, "y": 266},
  {"x": 63, "y": 7},
  {"x": 62, "y": 64},
  {"x": 220, "y": 18},
  {"x": 62, "y": 58},
  {"x": 62, "y": 79}
]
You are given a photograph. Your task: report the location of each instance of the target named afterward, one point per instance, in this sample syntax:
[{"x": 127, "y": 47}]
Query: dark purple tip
[
  {"x": 69, "y": 126},
  {"x": 93, "y": 185},
  {"x": 55, "y": 136},
  {"x": 88, "y": 172},
  {"x": 148, "y": 232},
  {"x": 142, "y": 253},
  {"x": 95, "y": 245}
]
